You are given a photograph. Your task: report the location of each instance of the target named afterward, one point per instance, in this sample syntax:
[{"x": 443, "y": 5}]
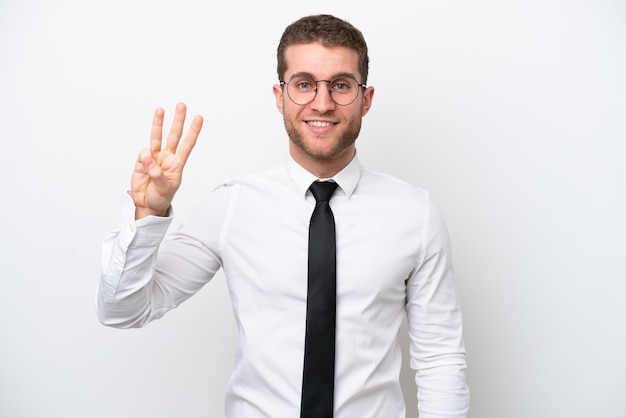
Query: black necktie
[{"x": 319, "y": 346}]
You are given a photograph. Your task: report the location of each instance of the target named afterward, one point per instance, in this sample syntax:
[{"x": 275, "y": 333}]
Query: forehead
[{"x": 320, "y": 61}]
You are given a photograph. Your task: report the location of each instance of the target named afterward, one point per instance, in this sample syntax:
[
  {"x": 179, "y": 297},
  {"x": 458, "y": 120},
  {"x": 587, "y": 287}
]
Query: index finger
[{"x": 156, "y": 134}]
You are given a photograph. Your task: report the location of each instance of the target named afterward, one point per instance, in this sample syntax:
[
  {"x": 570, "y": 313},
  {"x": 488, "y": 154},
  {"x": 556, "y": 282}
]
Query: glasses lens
[
  {"x": 302, "y": 90},
  {"x": 343, "y": 90}
]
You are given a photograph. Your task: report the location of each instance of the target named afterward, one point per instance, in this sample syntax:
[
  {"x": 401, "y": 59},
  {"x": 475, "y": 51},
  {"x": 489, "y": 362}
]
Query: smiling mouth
[{"x": 319, "y": 124}]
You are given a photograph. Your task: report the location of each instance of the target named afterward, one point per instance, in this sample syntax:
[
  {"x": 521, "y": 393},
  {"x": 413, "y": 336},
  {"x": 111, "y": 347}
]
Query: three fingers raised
[{"x": 175, "y": 134}]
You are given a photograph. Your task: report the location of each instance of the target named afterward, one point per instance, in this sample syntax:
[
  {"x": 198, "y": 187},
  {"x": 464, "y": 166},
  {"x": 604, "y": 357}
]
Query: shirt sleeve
[
  {"x": 145, "y": 273},
  {"x": 435, "y": 326}
]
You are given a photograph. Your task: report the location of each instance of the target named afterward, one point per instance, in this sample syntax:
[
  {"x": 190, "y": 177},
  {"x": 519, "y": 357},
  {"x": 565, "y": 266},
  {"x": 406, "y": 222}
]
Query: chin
[{"x": 321, "y": 147}]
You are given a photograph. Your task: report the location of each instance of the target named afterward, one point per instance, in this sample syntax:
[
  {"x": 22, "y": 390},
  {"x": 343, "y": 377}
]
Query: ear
[
  {"x": 278, "y": 94},
  {"x": 368, "y": 96}
]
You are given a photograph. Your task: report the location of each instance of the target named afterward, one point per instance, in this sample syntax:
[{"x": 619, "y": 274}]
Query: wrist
[{"x": 141, "y": 212}]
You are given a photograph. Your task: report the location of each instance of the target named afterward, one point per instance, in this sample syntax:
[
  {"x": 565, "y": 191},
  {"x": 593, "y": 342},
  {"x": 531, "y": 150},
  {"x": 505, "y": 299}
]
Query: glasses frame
[{"x": 328, "y": 82}]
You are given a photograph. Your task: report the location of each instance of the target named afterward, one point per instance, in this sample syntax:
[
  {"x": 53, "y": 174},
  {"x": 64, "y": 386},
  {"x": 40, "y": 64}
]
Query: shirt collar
[{"x": 347, "y": 179}]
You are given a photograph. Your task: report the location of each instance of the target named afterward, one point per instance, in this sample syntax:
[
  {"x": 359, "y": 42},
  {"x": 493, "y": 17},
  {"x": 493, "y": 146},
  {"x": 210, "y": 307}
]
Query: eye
[
  {"x": 342, "y": 85},
  {"x": 303, "y": 84}
]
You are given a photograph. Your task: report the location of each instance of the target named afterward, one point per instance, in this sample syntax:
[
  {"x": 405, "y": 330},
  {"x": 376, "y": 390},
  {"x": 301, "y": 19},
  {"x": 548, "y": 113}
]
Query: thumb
[
  {"x": 152, "y": 169},
  {"x": 148, "y": 164}
]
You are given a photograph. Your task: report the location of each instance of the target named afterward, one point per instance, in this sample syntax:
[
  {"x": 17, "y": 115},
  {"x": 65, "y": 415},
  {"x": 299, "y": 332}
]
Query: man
[{"x": 392, "y": 254}]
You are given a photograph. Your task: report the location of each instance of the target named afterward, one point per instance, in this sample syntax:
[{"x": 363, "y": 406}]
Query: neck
[{"x": 324, "y": 168}]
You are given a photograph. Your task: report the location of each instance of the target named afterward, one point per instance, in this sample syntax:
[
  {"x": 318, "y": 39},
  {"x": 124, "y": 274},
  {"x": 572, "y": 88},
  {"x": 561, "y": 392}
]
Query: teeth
[{"x": 319, "y": 124}]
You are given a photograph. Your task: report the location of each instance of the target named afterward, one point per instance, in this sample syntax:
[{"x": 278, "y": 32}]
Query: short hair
[{"x": 329, "y": 31}]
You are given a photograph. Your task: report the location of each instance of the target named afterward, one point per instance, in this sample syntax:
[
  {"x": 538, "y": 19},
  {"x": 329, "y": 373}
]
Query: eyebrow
[{"x": 344, "y": 74}]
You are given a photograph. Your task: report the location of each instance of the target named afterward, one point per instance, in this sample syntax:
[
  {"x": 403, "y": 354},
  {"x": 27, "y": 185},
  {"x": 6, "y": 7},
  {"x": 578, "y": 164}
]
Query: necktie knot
[{"x": 323, "y": 190}]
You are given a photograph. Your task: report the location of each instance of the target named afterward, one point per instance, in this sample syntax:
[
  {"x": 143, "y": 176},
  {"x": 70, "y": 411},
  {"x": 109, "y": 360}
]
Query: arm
[
  {"x": 144, "y": 275},
  {"x": 125, "y": 291},
  {"x": 435, "y": 327},
  {"x": 130, "y": 293}
]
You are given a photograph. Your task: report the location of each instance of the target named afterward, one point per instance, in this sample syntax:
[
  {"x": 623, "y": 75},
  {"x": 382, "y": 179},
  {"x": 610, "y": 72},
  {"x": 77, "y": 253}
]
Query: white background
[{"x": 511, "y": 113}]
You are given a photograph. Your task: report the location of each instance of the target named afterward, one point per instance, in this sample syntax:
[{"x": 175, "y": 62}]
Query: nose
[{"x": 323, "y": 102}]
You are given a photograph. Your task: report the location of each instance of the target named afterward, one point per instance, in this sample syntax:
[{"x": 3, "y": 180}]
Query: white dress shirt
[{"x": 393, "y": 255}]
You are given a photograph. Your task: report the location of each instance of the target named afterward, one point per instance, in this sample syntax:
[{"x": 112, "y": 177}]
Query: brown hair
[{"x": 329, "y": 31}]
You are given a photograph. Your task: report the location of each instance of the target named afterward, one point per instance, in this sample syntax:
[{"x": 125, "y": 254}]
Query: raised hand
[{"x": 158, "y": 171}]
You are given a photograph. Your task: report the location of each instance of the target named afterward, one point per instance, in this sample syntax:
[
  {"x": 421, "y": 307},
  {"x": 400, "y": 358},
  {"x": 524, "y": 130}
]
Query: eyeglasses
[{"x": 302, "y": 89}]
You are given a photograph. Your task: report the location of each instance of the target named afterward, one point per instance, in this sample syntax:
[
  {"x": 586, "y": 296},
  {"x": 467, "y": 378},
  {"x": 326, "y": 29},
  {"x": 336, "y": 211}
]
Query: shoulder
[
  {"x": 384, "y": 184},
  {"x": 254, "y": 185},
  {"x": 252, "y": 179}
]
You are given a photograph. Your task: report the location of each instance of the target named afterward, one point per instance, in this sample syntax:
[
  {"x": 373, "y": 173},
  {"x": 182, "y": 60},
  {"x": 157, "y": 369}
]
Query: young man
[{"x": 389, "y": 254}]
